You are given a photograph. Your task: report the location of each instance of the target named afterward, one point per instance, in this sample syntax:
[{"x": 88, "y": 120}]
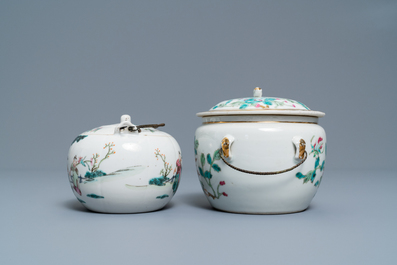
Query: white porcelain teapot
[{"x": 124, "y": 168}]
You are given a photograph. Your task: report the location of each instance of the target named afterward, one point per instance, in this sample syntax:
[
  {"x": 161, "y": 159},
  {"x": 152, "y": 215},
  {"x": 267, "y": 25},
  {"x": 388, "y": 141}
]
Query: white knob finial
[
  {"x": 125, "y": 118},
  {"x": 257, "y": 92},
  {"x": 125, "y": 121}
]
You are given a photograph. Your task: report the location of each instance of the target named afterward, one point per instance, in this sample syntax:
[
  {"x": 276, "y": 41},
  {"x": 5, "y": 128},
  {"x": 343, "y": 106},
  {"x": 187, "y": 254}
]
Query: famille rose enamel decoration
[
  {"x": 124, "y": 168},
  {"x": 260, "y": 155}
]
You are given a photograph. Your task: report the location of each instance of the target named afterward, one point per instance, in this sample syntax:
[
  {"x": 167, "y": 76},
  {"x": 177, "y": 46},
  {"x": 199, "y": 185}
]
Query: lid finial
[
  {"x": 125, "y": 118},
  {"x": 257, "y": 92}
]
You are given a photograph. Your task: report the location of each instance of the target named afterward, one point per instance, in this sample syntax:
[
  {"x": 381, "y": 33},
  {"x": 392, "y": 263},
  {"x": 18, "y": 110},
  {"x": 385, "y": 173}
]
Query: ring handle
[{"x": 300, "y": 153}]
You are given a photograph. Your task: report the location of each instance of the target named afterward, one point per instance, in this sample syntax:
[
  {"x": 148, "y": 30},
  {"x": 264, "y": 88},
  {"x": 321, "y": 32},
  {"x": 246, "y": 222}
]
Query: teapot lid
[
  {"x": 260, "y": 105},
  {"x": 125, "y": 126}
]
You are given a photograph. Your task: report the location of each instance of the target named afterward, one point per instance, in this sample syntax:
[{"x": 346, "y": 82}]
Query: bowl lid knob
[{"x": 257, "y": 92}]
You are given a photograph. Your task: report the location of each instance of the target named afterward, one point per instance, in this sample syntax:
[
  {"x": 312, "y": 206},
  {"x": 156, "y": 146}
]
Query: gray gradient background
[
  {"x": 70, "y": 66},
  {"x": 67, "y": 67}
]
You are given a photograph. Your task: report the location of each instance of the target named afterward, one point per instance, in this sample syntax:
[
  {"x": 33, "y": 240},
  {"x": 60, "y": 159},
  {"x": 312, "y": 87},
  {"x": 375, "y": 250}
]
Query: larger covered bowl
[
  {"x": 124, "y": 168},
  {"x": 260, "y": 155}
]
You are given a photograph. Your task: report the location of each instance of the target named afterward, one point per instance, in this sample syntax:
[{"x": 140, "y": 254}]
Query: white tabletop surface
[{"x": 351, "y": 220}]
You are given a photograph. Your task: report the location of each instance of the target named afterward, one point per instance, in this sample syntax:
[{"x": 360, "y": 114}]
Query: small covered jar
[
  {"x": 260, "y": 155},
  {"x": 124, "y": 168}
]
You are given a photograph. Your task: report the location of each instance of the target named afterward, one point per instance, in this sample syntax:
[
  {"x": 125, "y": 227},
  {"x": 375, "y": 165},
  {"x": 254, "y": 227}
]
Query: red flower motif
[
  {"x": 224, "y": 194},
  {"x": 319, "y": 139},
  {"x": 222, "y": 183},
  {"x": 179, "y": 166}
]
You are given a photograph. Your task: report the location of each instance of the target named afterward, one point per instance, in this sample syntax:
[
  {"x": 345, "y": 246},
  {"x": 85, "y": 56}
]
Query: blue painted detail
[
  {"x": 79, "y": 138},
  {"x": 94, "y": 196},
  {"x": 162, "y": 196},
  {"x": 160, "y": 181},
  {"x": 92, "y": 175},
  {"x": 80, "y": 200}
]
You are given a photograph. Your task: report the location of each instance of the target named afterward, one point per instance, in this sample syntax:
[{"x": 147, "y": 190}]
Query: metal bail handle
[{"x": 299, "y": 143}]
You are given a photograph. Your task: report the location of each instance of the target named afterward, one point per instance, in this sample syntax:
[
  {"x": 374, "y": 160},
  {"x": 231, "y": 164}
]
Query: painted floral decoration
[
  {"x": 317, "y": 149},
  {"x": 92, "y": 164},
  {"x": 167, "y": 168},
  {"x": 207, "y": 174},
  {"x": 177, "y": 173},
  {"x": 260, "y": 103}
]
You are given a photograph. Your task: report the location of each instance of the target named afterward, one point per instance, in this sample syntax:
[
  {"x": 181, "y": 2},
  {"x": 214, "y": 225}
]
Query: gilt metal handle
[{"x": 301, "y": 154}]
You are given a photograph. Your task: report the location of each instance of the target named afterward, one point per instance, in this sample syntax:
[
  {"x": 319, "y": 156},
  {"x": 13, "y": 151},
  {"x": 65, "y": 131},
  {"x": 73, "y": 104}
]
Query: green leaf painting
[
  {"x": 317, "y": 162},
  {"x": 207, "y": 175},
  {"x": 162, "y": 196},
  {"x": 243, "y": 106},
  {"x": 209, "y": 160},
  {"x": 79, "y": 138},
  {"x": 300, "y": 175},
  {"x": 201, "y": 171},
  {"x": 216, "y": 167},
  {"x": 94, "y": 196},
  {"x": 217, "y": 154},
  {"x": 160, "y": 181},
  {"x": 322, "y": 166},
  {"x": 91, "y": 175},
  {"x": 196, "y": 145},
  {"x": 309, "y": 176},
  {"x": 317, "y": 150},
  {"x": 80, "y": 200}
]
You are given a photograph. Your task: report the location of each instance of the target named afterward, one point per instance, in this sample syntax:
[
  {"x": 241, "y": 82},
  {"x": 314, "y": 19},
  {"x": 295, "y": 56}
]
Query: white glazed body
[
  {"x": 264, "y": 146},
  {"x": 126, "y": 186}
]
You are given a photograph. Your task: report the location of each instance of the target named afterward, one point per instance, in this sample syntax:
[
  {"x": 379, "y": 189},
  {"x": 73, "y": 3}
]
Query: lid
[
  {"x": 125, "y": 127},
  {"x": 260, "y": 105}
]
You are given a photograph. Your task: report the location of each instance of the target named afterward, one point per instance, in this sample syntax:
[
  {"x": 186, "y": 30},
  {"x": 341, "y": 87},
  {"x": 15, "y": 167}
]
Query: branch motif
[
  {"x": 167, "y": 167},
  {"x": 163, "y": 179},
  {"x": 92, "y": 164}
]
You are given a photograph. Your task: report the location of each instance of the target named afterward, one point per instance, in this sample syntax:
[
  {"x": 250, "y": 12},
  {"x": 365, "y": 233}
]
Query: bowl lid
[{"x": 260, "y": 105}]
